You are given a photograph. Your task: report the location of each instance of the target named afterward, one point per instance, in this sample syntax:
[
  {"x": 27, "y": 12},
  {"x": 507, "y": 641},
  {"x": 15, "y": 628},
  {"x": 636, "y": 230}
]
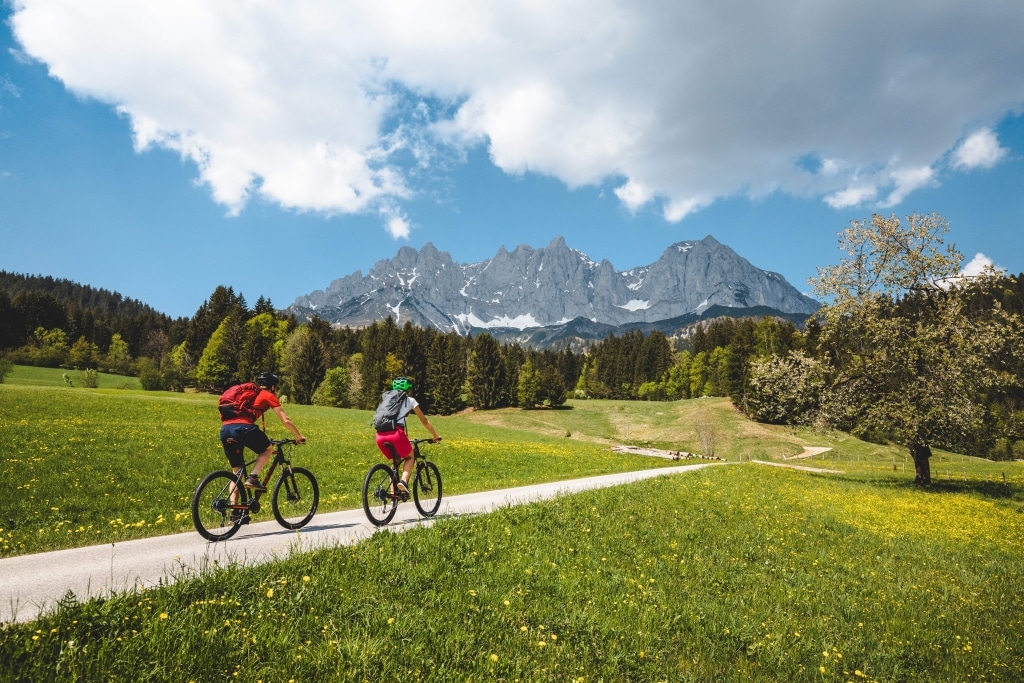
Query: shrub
[
  {"x": 5, "y": 368},
  {"x": 90, "y": 378},
  {"x": 333, "y": 391},
  {"x": 1018, "y": 450}
]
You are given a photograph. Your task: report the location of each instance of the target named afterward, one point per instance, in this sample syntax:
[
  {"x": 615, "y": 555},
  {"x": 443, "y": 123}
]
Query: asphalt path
[{"x": 32, "y": 584}]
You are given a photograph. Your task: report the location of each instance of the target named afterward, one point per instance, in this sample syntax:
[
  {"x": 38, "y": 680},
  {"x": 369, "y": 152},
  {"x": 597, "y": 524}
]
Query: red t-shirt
[{"x": 264, "y": 401}]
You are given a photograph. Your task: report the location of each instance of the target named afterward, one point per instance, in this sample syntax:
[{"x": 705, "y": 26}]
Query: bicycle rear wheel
[
  {"x": 295, "y": 498},
  {"x": 212, "y": 509},
  {"x": 378, "y": 500},
  {"x": 426, "y": 489}
]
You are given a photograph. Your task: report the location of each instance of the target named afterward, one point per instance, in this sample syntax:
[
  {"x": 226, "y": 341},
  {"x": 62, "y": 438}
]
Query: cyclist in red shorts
[{"x": 398, "y": 438}]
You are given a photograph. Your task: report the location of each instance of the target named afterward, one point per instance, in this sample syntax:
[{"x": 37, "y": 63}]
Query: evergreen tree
[
  {"x": 528, "y": 392},
  {"x": 379, "y": 339},
  {"x": 306, "y": 360},
  {"x": 485, "y": 375},
  {"x": 446, "y": 373}
]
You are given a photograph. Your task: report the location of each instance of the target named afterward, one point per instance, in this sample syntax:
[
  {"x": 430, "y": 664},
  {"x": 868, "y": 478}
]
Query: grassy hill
[{"x": 743, "y": 572}]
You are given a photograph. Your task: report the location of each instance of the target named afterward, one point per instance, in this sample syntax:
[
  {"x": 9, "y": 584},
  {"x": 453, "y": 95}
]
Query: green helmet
[{"x": 401, "y": 384}]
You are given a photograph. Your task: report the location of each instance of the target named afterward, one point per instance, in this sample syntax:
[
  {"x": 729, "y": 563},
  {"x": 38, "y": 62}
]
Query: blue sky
[{"x": 162, "y": 149}]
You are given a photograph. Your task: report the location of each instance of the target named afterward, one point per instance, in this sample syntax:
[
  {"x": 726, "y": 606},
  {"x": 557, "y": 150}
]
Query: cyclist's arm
[
  {"x": 426, "y": 423},
  {"x": 286, "y": 421}
]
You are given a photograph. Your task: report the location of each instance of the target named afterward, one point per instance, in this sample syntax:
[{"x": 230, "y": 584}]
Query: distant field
[{"x": 54, "y": 377}]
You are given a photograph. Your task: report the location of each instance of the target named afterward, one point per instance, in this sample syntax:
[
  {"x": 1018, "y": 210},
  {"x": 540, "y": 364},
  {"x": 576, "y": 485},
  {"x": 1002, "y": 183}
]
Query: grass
[
  {"x": 735, "y": 573},
  {"x": 740, "y": 573}
]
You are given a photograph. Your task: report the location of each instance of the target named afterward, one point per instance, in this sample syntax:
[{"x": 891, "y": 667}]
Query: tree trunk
[{"x": 922, "y": 454}]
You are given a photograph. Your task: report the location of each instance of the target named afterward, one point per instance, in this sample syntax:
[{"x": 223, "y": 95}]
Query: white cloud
[
  {"x": 330, "y": 105},
  {"x": 633, "y": 195},
  {"x": 907, "y": 180},
  {"x": 854, "y": 195},
  {"x": 979, "y": 150},
  {"x": 978, "y": 264},
  {"x": 397, "y": 225}
]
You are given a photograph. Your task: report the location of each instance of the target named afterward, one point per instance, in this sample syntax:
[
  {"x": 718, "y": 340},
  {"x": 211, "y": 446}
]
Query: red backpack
[{"x": 237, "y": 402}]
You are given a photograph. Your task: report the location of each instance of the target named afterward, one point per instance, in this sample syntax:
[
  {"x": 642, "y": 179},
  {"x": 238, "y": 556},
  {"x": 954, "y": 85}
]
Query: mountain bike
[
  {"x": 381, "y": 495},
  {"x": 222, "y": 504}
]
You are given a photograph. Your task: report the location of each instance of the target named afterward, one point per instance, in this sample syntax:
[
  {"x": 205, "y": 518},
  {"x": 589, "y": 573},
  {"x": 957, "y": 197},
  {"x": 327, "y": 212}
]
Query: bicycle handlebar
[
  {"x": 416, "y": 442},
  {"x": 283, "y": 442}
]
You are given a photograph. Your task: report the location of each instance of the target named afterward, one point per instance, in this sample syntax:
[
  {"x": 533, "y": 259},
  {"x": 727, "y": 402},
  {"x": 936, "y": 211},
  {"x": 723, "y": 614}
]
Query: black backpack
[{"x": 386, "y": 417}]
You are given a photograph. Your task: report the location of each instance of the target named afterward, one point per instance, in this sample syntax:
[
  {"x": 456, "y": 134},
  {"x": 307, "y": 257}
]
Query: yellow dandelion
[
  {"x": 494, "y": 658},
  {"x": 542, "y": 643},
  {"x": 507, "y": 603},
  {"x": 163, "y": 615},
  {"x": 305, "y": 579},
  {"x": 821, "y": 669},
  {"x": 391, "y": 620},
  {"x": 270, "y": 592}
]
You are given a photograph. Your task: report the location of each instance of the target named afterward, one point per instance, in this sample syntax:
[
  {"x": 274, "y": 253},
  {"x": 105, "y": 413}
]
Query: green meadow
[{"x": 842, "y": 571}]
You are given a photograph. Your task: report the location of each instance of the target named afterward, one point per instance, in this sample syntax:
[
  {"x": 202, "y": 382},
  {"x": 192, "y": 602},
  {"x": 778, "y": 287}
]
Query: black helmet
[{"x": 267, "y": 380}]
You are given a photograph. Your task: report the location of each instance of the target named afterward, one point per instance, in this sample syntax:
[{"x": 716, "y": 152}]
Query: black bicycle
[
  {"x": 381, "y": 494},
  {"x": 222, "y": 504}
]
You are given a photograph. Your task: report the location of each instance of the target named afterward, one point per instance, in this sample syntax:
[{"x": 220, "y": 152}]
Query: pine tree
[{"x": 485, "y": 375}]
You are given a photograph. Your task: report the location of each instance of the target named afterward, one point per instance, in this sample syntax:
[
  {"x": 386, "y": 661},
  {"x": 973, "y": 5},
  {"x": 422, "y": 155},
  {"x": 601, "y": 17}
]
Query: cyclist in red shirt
[{"x": 239, "y": 433}]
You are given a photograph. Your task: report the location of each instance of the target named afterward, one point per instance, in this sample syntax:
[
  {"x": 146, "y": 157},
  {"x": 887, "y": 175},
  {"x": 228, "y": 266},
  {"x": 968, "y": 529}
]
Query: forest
[{"x": 772, "y": 370}]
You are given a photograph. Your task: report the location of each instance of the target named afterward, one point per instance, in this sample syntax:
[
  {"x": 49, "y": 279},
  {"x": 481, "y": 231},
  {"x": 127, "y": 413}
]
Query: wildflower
[
  {"x": 821, "y": 669},
  {"x": 163, "y": 615},
  {"x": 305, "y": 579},
  {"x": 270, "y": 592},
  {"x": 391, "y": 620},
  {"x": 494, "y": 658}
]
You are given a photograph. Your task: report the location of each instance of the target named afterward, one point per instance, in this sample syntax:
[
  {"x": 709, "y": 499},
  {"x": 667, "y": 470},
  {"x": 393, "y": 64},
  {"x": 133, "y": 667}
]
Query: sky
[{"x": 161, "y": 149}]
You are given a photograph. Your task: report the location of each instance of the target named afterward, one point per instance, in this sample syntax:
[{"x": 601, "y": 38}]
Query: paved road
[{"x": 30, "y": 584}]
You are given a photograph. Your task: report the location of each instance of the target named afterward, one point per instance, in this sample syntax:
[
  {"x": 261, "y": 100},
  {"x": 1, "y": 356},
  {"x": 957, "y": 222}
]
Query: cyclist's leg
[
  {"x": 397, "y": 443},
  {"x": 407, "y": 464},
  {"x": 234, "y": 451},
  {"x": 256, "y": 440}
]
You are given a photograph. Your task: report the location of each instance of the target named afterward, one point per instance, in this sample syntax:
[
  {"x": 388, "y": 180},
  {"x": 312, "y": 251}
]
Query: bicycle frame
[
  {"x": 396, "y": 462},
  {"x": 279, "y": 459}
]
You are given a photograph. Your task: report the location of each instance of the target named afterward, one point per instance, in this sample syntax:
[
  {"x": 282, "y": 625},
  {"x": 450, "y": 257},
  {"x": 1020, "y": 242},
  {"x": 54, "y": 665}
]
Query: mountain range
[{"x": 539, "y": 295}]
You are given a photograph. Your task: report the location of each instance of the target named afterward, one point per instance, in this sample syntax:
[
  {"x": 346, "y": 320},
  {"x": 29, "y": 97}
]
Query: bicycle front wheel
[
  {"x": 426, "y": 489},
  {"x": 379, "y": 502},
  {"x": 295, "y": 498},
  {"x": 212, "y": 509}
]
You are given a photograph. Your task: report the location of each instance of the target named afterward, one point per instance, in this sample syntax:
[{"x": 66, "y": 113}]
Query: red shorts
[{"x": 396, "y": 438}]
